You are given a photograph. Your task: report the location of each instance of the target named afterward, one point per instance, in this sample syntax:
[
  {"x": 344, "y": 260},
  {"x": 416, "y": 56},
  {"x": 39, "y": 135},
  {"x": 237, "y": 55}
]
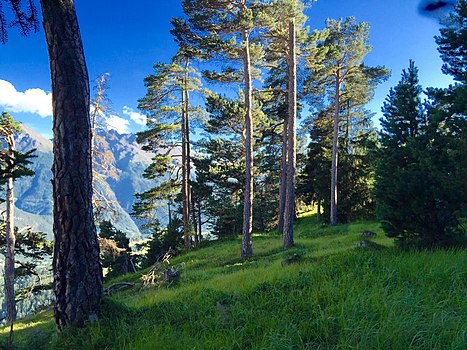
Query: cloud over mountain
[
  {"x": 36, "y": 101},
  {"x": 120, "y": 125},
  {"x": 135, "y": 116}
]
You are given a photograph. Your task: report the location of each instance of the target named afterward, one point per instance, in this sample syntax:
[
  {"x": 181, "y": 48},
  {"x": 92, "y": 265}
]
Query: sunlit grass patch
[{"x": 330, "y": 295}]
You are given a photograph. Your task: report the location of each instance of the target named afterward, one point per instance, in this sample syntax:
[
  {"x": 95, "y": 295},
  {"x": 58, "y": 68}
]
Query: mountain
[{"x": 34, "y": 194}]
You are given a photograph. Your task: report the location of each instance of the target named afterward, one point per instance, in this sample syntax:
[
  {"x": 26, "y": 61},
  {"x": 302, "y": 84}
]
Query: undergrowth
[{"x": 333, "y": 296}]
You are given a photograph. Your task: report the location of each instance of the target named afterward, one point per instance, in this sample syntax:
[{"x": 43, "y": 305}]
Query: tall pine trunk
[
  {"x": 9, "y": 273},
  {"x": 191, "y": 209},
  {"x": 247, "y": 245},
  {"x": 200, "y": 224},
  {"x": 289, "y": 211},
  {"x": 185, "y": 209},
  {"x": 335, "y": 140},
  {"x": 76, "y": 265},
  {"x": 283, "y": 175}
]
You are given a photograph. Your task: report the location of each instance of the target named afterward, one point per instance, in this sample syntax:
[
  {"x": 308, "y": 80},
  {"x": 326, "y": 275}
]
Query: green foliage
[
  {"x": 452, "y": 43},
  {"x": 162, "y": 241},
  {"x": 220, "y": 165},
  {"x": 115, "y": 251},
  {"x": 420, "y": 180},
  {"x": 335, "y": 63},
  {"x": 31, "y": 250},
  {"x": 13, "y": 164},
  {"x": 355, "y": 177},
  {"x": 169, "y": 114},
  {"x": 220, "y": 169}
]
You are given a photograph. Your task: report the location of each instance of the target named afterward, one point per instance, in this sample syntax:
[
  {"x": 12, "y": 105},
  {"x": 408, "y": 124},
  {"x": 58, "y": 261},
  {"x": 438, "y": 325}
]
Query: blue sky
[{"x": 126, "y": 40}]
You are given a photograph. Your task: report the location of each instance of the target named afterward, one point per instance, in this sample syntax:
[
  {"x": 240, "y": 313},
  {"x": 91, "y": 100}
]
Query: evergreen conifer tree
[
  {"x": 419, "y": 186},
  {"x": 225, "y": 29},
  {"x": 13, "y": 165}
]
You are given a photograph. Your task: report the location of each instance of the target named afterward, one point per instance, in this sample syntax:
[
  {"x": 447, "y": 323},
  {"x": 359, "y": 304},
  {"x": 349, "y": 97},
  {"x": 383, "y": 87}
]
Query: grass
[{"x": 335, "y": 297}]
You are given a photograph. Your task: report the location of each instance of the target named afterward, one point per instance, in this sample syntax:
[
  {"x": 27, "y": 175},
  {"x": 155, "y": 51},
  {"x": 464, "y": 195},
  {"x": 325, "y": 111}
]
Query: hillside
[
  {"x": 334, "y": 296},
  {"x": 34, "y": 194}
]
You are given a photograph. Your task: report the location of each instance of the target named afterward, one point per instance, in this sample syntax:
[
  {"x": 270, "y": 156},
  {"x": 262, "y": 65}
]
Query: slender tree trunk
[
  {"x": 188, "y": 153},
  {"x": 318, "y": 215},
  {"x": 247, "y": 244},
  {"x": 333, "y": 216},
  {"x": 283, "y": 175},
  {"x": 200, "y": 224},
  {"x": 289, "y": 211},
  {"x": 194, "y": 217},
  {"x": 76, "y": 264},
  {"x": 347, "y": 130},
  {"x": 170, "y": 212},
  {"x": 185, "y": 209},
  {"x": 9, "y": 273}
]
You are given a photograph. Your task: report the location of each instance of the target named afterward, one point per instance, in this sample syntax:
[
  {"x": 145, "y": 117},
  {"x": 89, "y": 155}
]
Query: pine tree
[
  {"x": 115, "y": 250},
  {"x": 168, "y": 110},
  {"x": 13, "y": 165},
  {"x": 220, "y": 165},
  {"x": 77, "y": 269},
  {"x": 284, "y": 21},
  {"x": 225, "y": 29},
  {"x": 419, "y": 186},
  {"x": 77, "y": 290},
  {"x": 452, "y": 43},
  {"x": 335, "y": 60}
]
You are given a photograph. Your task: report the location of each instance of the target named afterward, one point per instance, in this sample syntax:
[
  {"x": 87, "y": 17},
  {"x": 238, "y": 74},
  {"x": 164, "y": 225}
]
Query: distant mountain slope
[{"x": 34, "y": 194}]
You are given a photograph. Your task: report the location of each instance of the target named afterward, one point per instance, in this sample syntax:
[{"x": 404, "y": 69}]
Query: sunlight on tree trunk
[
  {"x": 335, "y": 141},
  {"x": 247, "y": 245},
  {"x": 289, "y": 212},
  {"x": 76, "y": 263}
]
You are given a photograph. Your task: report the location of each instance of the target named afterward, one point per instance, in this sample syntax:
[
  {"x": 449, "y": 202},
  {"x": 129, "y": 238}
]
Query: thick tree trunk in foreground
[
  {"x": 247, "y": 245},
  {"x": 289, "y": 211},
  {"x": 10, "y": 238},
  {"x": 335, "y": 140},
  {"x": 76, "y": 265}
]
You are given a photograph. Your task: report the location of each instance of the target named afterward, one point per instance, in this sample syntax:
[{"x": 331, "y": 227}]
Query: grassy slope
[{"x": 336, "y": 297}]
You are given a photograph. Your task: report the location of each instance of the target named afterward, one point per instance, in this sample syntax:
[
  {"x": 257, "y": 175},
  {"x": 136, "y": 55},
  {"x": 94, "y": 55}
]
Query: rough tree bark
[
  {"x": 76, "y": 265},
  {"x": 247, "y": 244},
  {"x": 185, "y": 208},
  {"x": 335, "y": 140},
  {"x": 289, "y": 211},
  {"x": 283, "y": 175}
]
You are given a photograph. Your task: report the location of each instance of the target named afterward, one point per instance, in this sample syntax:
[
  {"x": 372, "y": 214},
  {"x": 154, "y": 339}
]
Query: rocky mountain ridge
[{"x": 33, "y": 195}]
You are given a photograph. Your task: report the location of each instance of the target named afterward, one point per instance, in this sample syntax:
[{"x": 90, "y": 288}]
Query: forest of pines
[{"x": 291, "y": 134}]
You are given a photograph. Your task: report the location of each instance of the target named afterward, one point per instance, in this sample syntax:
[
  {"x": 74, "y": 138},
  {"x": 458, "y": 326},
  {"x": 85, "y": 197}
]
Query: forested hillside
[
  {"x": 324, "y": 293},
  {"x": 280, "y": 209}
]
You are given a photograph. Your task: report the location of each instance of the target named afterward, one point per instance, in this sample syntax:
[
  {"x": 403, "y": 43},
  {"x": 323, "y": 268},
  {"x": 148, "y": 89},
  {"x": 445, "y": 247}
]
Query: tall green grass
[{"x": 336, "y": 296}]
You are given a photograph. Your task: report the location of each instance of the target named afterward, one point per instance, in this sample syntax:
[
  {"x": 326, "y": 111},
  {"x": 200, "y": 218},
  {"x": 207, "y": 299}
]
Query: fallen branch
[
  {"x": 161, "y": 271},
  {"x": 116, "y": 287}
]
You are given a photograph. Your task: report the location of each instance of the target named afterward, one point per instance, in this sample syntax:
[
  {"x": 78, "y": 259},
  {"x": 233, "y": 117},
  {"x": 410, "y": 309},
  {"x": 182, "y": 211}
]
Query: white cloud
[
  {"x": 118, "y": 124},
  {"x": 34, "y": 101},
  {"x": 136, "y": 117}
]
